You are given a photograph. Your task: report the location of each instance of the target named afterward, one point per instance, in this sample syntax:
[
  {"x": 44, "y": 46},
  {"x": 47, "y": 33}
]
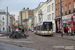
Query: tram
[{"x": 43, "y": 28}]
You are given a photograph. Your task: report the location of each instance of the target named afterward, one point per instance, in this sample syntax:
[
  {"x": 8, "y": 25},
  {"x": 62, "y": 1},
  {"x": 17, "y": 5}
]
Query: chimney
[
  {"x": 24, "y": 8},
  {"x": 28, "y": 8},
  {"x": 47, "y": 0}
]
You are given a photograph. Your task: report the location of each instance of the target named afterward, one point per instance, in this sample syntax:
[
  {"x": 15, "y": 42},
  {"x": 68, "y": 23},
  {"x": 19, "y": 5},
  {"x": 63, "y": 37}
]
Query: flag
[{"x": 72, "y": 23}]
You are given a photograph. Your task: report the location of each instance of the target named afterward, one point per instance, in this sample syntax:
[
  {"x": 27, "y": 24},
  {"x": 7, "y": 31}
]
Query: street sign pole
[
  {"x": 7, "y": 19},
  {"x": 61, "y": 19}
]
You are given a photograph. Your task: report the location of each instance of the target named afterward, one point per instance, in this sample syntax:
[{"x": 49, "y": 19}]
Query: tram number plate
[{"x": 48, "y": 32}]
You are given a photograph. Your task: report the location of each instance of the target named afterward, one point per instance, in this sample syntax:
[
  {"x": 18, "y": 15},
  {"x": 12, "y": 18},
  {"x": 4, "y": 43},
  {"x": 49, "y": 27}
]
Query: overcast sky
[{"x": 14, "y": 6}]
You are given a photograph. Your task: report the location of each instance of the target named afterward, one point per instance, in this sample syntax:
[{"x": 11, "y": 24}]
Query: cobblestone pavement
[
  {"x": 42, "y": 42},
  {"x": 4, "y": 46}
]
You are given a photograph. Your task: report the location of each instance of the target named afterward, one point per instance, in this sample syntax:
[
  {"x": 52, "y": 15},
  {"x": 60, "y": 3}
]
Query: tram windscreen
[{"x": 47, "y": 26}]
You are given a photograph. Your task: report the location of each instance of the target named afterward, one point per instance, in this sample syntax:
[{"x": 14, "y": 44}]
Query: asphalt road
[{"x": 4, "y": 46}]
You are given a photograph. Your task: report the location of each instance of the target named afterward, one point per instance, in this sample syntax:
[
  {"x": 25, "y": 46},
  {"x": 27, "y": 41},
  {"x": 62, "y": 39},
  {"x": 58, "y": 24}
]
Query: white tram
[{"x": 44, "y": 28}]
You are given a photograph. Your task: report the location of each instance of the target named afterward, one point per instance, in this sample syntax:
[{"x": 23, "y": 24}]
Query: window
[
  {"x": 74, "y": 4},
  {"x": 56, "y": 1},
  {"x": 49, "y": 17},
  {"x": 3, "y": 28},
  {"x": 56, "y": 13},
  {"x": 3, "y": 17},
  {"x": 59, "y": 13},
  {"x": 48, "y": 8},
  {"x": 65, "y": 7},
  {"x": 3, "y": 23},
  {"x": 59, "y": 0},
  {"x": 74, "y": 7},
  {"x": 69, "y": 6},
  {"x": 52, "y": 6},
  {"x": 52, "y": 16},
  {"x": 62, "y": 10}
]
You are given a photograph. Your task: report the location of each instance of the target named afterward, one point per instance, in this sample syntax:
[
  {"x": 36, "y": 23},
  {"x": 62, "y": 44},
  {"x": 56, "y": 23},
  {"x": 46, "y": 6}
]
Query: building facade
[
  {"x": 3, "y": 21},
  {"x": 46, "y": 12},
  {"x": 30, "y": 22},
  {"x": 68, "y": 10},
  {"x": 24, "y": 14}
]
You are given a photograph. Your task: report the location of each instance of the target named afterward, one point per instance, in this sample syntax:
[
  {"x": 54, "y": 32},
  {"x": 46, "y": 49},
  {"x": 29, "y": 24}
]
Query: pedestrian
[
  {"x": 26, "y": 32},
  {"x": 67, "y": 29},
  {"x": 57, "y": 29}
]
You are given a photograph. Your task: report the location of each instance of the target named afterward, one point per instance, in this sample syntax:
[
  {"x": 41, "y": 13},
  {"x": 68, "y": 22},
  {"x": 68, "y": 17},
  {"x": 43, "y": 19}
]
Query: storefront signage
[
  {"x": 64, "y": 21},
  {"x": 64, "y": 17}
]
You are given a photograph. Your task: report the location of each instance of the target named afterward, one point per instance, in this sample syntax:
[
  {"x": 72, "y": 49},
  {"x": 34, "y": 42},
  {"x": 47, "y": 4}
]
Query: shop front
[
  {"x": 67, "y": 20},
  {"x": 57, "y": 21}
]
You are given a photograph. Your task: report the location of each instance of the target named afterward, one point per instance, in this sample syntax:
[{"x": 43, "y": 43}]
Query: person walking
[
  {"x": 64, "y": 30},
  {"x": 67, "y": 29}
]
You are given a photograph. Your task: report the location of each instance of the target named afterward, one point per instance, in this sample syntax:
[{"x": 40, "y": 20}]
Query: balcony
[
  {"x": 69, "y": 11},
  {"x": 74, "y": 10},
  {"x": 65, "y": 12}
]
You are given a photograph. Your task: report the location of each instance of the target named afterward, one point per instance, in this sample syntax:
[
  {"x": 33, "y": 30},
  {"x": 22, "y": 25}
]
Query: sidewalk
[{"x": 65, "y": 36}]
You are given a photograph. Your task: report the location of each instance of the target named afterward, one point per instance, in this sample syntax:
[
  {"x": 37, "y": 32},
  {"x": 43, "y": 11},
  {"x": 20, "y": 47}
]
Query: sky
[{"x": 14, "y": 6}]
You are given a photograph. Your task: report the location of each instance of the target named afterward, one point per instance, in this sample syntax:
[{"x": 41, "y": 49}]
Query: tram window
[
  {"x": 38, "y": 27},
  {"x": 41, "y": 28},
  {"x": 47, "y": 25},
  {"x": 34, "y": 28}
]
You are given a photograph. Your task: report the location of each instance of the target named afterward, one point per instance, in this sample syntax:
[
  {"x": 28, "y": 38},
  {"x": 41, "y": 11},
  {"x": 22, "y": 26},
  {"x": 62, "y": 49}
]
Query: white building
[
  {"x": 46, "y": 12},
  {"x": 3, "y": 21},
  {"x": 30, "y": 22}
]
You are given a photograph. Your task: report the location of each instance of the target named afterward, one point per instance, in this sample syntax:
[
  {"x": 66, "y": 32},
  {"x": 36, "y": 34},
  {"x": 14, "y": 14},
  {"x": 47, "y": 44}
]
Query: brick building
[{"x": 68, "y": 9}]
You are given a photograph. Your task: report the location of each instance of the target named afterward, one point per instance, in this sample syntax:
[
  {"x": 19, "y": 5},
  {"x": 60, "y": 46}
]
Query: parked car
[{"x": 2, "y": 33}]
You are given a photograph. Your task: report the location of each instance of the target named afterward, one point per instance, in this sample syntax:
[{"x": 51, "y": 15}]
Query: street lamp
[{"x": 61, "y": 19}]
